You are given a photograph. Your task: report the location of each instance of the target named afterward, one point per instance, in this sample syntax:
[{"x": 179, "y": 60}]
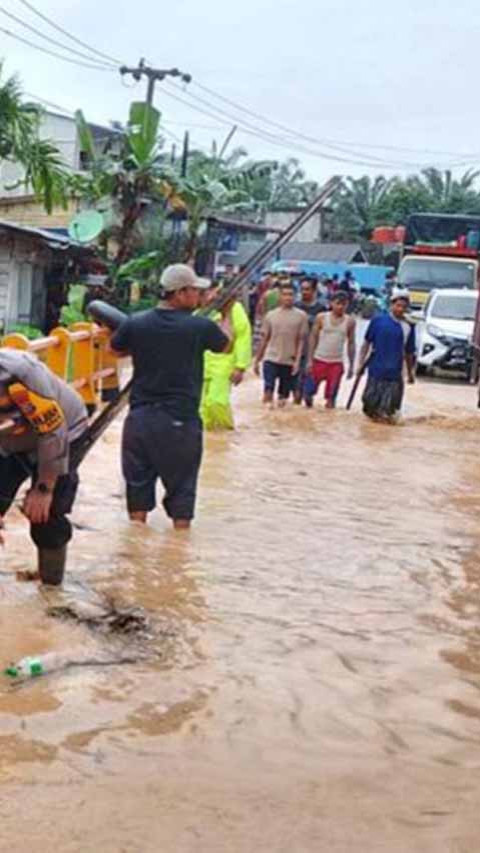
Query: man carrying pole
[{"x": 162, "y": 437}]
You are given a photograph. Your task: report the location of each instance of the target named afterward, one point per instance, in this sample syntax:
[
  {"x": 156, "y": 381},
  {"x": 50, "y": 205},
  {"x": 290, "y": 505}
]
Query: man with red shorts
[{"x": 330, "y": 334}]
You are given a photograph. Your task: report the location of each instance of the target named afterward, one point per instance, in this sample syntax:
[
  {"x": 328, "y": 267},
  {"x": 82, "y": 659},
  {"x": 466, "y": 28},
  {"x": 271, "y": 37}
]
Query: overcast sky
[{"x": 351, "y": 73}]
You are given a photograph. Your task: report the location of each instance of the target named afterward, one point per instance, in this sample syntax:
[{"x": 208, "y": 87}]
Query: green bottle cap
[
  {"x": 36, "y": 668},
  {"x": 12, "y": 671}
]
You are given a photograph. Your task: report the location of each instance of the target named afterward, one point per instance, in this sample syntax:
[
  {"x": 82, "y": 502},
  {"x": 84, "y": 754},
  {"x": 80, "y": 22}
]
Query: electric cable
[
  {"x": 64, "y": 32},
  {"x": 52, "y": 41},
  {"x": 54, "y": 53}
]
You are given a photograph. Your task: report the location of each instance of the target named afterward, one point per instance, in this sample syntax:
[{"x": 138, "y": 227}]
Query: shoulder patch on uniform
[{"x": 42, "y": 413}]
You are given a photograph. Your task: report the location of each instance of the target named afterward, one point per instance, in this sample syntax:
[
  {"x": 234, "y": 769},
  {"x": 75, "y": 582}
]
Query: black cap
[{"x": 339, "y": 296}]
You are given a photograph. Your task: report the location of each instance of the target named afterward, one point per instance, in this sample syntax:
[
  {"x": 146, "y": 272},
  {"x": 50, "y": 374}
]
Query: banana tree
[
  {"x": 120, "y": 183},
  {"x": 217, "y": 183}
]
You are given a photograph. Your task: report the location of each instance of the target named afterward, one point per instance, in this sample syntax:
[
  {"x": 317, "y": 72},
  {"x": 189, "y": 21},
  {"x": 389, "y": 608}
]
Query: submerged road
[{"x": 315, "y": 674}]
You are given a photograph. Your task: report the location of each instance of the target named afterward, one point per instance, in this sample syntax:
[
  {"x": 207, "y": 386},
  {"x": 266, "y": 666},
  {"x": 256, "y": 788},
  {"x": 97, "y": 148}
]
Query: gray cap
[{"x": 177, "y": 276}]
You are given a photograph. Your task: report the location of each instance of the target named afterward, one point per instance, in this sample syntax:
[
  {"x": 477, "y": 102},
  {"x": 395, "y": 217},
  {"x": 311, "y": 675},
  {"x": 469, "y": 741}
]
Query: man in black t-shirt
[{"x": 162, "y": 436}]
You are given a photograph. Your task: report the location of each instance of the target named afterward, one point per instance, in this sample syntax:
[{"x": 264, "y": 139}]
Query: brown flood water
[{"x": 316, "y": 685}]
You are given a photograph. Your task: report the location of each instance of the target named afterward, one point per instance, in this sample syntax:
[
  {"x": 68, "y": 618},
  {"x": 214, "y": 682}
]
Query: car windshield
[
  {"x": 436, "y": 273},
  {"x": 454, "y": 307}
]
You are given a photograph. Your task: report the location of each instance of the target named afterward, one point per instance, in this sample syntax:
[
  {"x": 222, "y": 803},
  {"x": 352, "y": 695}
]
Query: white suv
[{"x": 445, "y": 334}]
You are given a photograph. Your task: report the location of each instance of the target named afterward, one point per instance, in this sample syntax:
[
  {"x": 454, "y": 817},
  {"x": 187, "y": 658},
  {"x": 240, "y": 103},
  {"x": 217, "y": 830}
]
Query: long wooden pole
[
  {"x": 101, "y": 423},
  {"x": 269, "y": 250}
]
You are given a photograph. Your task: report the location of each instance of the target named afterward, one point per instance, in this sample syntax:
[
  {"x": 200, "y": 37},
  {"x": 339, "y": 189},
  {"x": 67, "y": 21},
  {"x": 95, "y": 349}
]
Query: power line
[
  {"x": 47, "y": 38},
  {"x": 170, "y": 133},
  {"x": 219, "y": 126},
  {"x": 264, "y": 136},
  {"x": 261, "y": 133},
  {"x": 367, "y": 160},
  {"x": 327, "y": 142},
  {"x": 54, "y": 53},
  {"x": 49, "y": 104},
  {"x": 372, "y": 160},
  {"x": 69, "y": 35},
  {"x": 343, "y": 147}
]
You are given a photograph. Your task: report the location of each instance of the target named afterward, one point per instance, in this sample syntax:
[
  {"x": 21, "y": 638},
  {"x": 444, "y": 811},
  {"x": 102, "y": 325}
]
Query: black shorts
[
  {"x": 156, "y": 446},
  {"x": 281, "y": 372}
]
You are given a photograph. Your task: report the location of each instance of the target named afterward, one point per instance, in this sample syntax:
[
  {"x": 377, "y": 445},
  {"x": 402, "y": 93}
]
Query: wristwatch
[{"x": 43, "y": 488}]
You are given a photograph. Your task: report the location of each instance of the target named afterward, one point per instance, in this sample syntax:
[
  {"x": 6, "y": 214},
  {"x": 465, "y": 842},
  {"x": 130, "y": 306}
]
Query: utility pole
[
  {"x": 186, "y": 142},
  {"x": 153, "y": 75}
]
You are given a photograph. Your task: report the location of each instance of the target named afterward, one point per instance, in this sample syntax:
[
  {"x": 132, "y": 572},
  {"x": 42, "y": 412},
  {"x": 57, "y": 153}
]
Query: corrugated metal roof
[
  {"x": 335, "y": 252},
  {"x": 53, "y": 239}
]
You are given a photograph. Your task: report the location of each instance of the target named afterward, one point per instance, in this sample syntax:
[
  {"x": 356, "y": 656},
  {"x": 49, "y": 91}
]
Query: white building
[{"x": 17, "y": 202}]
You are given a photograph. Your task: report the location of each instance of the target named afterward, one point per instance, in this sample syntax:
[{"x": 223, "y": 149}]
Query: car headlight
[{"x": 435, "y": 332}]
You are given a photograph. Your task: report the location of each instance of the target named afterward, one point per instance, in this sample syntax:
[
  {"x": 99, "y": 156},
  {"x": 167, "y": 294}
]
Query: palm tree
[
  {"x": 290, "y": 187},
  {"x": 20, "y": 143},
  {"x": 450, "y": 195},
  {"x": 359, "y": 205}
]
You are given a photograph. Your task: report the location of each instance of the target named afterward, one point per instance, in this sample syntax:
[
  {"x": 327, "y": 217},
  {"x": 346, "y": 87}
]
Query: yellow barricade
[{"x": 79, "y": 355}]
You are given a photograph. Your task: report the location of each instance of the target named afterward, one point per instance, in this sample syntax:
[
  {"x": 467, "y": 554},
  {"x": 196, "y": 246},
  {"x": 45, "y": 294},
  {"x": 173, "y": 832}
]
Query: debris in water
[
  {"x": 108, "y": 618},
  {"x": 33, "y": 667}
]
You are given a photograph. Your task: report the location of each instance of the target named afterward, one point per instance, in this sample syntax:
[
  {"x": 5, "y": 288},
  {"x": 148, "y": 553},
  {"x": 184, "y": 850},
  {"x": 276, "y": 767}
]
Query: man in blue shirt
[{"x": 389, "y": 342}]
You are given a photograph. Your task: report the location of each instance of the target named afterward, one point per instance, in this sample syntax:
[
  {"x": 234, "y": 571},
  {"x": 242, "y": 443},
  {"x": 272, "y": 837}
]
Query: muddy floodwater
[{"x": 312, "y": 674}]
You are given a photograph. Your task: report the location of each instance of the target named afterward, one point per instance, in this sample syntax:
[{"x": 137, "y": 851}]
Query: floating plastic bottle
[
  {"x": 32, "y": 667},
  {"x": 36, "y": 665}
]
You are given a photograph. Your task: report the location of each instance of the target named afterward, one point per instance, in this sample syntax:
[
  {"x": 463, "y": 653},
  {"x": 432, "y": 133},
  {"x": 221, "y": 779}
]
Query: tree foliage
[
  {"x": 219, "y": 182},
  {"x": 361, "y": 204},
  {"x": 20, "y": 143},
  {"x": 285, "y": 186}
]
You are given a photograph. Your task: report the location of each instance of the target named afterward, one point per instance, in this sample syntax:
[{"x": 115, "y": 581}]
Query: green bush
[
  {"x": 30, "y": 332},
  {"x": 72, "y": 313}
]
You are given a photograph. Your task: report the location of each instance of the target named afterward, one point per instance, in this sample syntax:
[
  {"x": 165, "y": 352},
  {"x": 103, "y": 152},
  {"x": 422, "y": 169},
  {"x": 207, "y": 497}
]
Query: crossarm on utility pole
[{"x": 153, "y": 75}]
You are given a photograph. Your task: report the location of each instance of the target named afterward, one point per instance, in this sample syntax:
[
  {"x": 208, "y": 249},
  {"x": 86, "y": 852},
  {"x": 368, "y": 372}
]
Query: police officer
[{"x": 50, "y": 418}]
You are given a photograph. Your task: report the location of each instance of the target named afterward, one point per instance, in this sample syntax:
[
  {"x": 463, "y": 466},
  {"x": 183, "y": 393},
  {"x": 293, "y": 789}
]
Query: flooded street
[{"x": 313, "y": 680}]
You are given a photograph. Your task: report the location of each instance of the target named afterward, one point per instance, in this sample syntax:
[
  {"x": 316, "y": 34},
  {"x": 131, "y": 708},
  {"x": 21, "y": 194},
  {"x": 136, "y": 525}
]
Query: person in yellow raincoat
[{"x": 226, "y": 369}]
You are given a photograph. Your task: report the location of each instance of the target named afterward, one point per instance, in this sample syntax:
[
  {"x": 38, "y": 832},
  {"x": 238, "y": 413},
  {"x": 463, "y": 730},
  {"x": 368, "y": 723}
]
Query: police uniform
[{"x": 50, "y": 418}]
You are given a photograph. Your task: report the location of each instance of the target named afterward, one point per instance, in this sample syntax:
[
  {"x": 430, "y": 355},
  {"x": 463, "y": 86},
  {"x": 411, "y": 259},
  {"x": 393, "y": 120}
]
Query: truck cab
[
  {"x": 420, "y": 274},
  {"x": 440, "y": 250}
]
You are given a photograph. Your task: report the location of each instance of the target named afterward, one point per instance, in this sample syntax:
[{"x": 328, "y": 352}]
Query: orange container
[{"x": 383, "y": 234}]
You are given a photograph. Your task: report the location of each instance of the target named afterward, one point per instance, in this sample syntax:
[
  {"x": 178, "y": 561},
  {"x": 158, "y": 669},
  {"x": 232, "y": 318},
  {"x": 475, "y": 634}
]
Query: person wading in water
[
  {"x": 51, "y": 420},
  {"x": 389, "y": 344},
  {"x": 285, "y": 330},
  {"x": 162, "y": 436},
  {"x": 311, "y": 304},
  {"x": 330, "y": 334}
]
